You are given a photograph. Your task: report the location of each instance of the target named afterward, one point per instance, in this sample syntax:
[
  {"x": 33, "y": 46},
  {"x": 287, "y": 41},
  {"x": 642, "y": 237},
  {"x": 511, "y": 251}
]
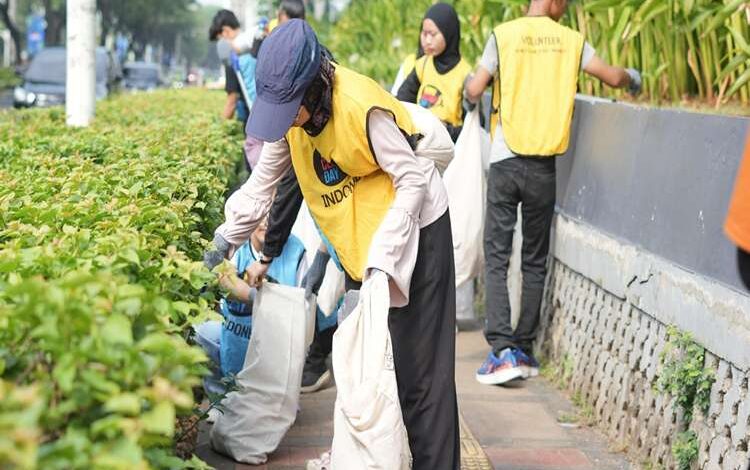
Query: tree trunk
[
  {"x": 14, "y": 33},
  {"x": 55, "y": 21},
  {"x": 105, "y": 8}
]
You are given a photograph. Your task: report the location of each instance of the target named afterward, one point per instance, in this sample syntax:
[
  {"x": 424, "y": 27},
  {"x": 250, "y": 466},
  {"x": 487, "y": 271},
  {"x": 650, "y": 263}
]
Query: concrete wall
[
  {"x": 658, "y": 179},
  {"x": 638, "y": 246}
]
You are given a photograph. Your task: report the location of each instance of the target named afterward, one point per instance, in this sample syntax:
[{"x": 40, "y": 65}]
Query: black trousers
[
  {"x": 320, "y": 349},
  {"x": 530, "y": 182},
  {"x": 424, "y": 347}
]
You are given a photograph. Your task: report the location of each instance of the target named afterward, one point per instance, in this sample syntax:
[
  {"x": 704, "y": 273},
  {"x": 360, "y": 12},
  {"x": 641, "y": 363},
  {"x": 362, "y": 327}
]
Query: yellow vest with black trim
[
  {"x": 346, "y": 191},
  {"x": 408, "y": 64},
  {"x": 442, "y": 93},
  {"x": 534, "y": 91}
]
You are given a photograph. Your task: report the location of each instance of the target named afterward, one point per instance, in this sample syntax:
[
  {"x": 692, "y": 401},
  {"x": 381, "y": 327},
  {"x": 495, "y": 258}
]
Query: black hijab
[{"x": 446, "y": 19}]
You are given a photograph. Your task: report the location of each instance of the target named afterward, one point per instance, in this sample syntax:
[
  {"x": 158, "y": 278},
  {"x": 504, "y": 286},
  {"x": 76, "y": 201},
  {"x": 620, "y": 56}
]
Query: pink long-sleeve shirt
[{"x": 420, "y": 200}]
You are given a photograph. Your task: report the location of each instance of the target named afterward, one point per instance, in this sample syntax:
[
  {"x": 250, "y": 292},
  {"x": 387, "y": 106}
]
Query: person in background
[
  {"x": 737, "y": 225},
  {"x": 243, "y": 43},
  {"x": 533, "y": 64},
  {"x": 226, "y": 26},
  {"x": 225, "y": 30},
  {"x": 281, "y": 218},
  {"x": 289, "y": 10},
  {"x": 226, "y": 342},
  {"x": 231, "y": 84},
  {"x": 379, "y": 207},
  {"x": 437, "y": 81}
]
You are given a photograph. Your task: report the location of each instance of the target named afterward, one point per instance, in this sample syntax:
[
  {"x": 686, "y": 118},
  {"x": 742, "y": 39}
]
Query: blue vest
[
  {"x": 237, "y": 326},
  {"x": 245, "y": 65}
]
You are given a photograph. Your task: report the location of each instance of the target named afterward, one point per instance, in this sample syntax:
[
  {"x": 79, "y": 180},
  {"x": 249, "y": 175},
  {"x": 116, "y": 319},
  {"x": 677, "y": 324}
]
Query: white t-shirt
[{"x": 489, "y": 62}]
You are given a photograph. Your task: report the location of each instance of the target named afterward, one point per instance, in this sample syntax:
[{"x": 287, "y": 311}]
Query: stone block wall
[
  {"x": 611, "y": 352},
  {"x": 638, "y": 247}
]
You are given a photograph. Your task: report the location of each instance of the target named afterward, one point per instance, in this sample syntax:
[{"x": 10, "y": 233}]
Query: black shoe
[
  {"x": 312, "y": 382},
  {"x": 315, "y": 375}
]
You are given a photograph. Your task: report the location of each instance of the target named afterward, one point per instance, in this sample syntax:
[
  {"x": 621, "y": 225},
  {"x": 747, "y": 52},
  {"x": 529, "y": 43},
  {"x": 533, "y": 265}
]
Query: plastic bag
[{"x": 465, "y": 183}]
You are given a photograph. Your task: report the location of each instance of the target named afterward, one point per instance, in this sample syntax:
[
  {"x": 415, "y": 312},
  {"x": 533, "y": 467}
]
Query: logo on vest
[
  {"x": 535, "y": 41},
  {"x": 328, "y": 172},
  {"x": 238, "y": 329},
  {"x": 430, "y": 97}
]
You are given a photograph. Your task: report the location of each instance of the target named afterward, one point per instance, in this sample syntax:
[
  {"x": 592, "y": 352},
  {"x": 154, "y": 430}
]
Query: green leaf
[
  {"x": 117, "y": 329},
  {"x": 65, "y": 372},
  {"x": 182, "y": 307},
  {"x": 160, "y": 420},
  {"x": 125, "y": 403},
  {"x": 130, "y": 255},
  {"x": 739, "y": 83},
  {"x": 157, "y": 343}
]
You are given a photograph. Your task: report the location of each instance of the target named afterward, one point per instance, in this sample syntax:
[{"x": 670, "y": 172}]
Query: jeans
[
  {"x": 208, "y": 337},
  {"x": 530, "y": 182}
]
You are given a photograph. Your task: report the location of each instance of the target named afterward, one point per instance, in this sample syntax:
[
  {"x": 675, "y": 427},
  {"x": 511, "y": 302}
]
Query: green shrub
[
  {"x": 685, "y": 377},
  {"x": 685, "y": 449},
  {"x": 687, "y": 49},
  {"x": 684, "y": 374},
  {"x": 8, "y": 78},
  {"x": 101, "y": 233}
]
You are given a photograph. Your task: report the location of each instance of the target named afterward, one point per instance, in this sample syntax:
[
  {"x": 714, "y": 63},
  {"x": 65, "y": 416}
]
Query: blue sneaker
[
  {"x": 499, "y": 370},
  {"x": 527, "y": 363}
]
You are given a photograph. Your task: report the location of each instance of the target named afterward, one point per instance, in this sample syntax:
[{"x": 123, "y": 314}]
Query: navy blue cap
[{"x": 288, "y": 62}]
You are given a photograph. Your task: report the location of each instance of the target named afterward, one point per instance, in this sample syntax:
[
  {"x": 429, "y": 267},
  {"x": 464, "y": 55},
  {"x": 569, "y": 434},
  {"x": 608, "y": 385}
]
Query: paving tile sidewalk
[{"x": 515, "y": 426}]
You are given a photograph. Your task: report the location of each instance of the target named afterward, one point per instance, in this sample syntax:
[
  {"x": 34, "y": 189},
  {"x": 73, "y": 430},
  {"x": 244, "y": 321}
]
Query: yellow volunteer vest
[
  {"x": 408, "y": 64},
  {"x": 534, "y": 91},
  {"x": 442, "y": 93},
  {"x": 347, "y": 192}
]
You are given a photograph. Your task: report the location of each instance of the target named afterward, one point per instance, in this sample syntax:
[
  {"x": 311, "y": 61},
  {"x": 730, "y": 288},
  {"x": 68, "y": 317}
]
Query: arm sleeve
[
  {"x": 396, "y": 242},
  {"x": 490, "y": 60},
  {"x": 232, "y": 85},
  {"x": 410, "y": 88},
  {"x": 283, "y": 214},
  {"x": 588, "y": 53},
  {"x": 247, "y": 206}
]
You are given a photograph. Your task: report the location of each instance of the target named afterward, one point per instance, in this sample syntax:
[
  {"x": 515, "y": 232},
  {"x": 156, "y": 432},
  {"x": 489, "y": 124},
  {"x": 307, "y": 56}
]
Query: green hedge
[
  {"x": 101, "y": 235},
  {"x": 8, "y": 78}
]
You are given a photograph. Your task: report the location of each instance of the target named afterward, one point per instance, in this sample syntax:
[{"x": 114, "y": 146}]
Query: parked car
[
  {"x": 44, "y": 79},
  {"x": 142, "y": 76}
]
